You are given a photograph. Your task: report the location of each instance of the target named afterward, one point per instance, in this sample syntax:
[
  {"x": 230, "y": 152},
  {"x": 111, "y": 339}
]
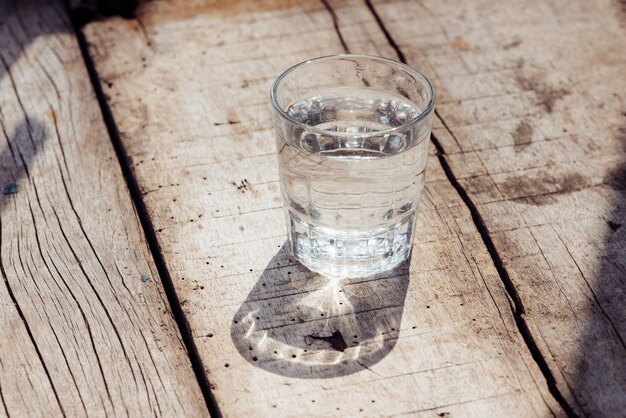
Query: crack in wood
[
  {"x": 106, "y": 311},
  {"x": 27, "y": 328},
  {"x": 333, "y": 15},
  {"x": 593, "y": 293}
]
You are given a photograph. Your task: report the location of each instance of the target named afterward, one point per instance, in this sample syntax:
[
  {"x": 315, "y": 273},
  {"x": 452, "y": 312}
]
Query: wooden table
[{"x": 141, "y": 229}]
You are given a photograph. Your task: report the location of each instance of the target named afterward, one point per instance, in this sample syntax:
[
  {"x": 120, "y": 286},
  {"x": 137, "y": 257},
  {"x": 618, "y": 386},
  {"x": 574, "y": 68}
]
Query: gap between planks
[{"x": 147, "y": 226}]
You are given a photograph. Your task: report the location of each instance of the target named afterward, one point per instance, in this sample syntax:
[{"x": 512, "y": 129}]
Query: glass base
[{"x": 349, "y": 253}]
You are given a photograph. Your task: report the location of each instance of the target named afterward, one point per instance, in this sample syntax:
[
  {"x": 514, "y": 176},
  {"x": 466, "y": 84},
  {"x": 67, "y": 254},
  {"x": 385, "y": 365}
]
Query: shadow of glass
[{"x": 301, "y": 324}]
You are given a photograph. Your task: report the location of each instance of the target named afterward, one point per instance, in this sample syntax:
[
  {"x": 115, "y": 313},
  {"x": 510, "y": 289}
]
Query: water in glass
[{"x": 352, "y": 198}]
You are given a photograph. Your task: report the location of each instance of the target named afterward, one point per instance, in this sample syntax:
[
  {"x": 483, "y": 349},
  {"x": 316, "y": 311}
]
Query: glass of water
[{"x": 352, "y": 134}]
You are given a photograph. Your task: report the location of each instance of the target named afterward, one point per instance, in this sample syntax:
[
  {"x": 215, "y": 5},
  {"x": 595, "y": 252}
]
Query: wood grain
[
  {"x": 85, "y": 325},
  {"x": 532, "y": 96},
  {"x": 187, "y": 83}
]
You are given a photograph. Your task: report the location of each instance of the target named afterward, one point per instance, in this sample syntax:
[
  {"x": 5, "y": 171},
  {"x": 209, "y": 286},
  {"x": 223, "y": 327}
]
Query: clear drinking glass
[{"x": 352, "y": 134}]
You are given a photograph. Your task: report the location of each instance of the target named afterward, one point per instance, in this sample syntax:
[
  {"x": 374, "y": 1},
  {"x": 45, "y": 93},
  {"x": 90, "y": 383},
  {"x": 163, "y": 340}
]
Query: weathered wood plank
[
  {"x": 81, "y": 334},
  {"x": 187, "y": 83},
  {"x": 533, "y": 97}
]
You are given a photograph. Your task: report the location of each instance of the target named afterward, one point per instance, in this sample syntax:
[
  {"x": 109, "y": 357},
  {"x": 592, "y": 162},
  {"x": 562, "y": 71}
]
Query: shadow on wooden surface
[
  {"x": 604, "y": 337},
  {"x": 297, "y": 323},
  {"x": 84, "y": 312},
  {"x": 30, "y": 134},
  {"x": 23, "y": 14},
  {"x": 21, "y": 148}
]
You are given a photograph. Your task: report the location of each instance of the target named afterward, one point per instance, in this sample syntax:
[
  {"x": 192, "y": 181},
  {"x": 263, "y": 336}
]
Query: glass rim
[{"x": 310, "y": 128}]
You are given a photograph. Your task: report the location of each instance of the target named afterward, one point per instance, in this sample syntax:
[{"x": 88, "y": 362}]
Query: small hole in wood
[
  {"x": 293, "y": 356},
  {"x": 226, "y": 365},
  {"x": 254, "y": 359}
]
